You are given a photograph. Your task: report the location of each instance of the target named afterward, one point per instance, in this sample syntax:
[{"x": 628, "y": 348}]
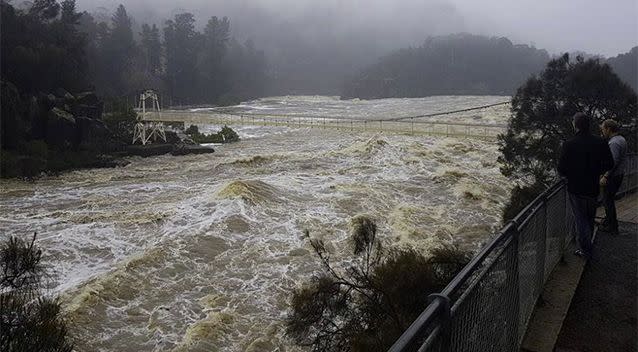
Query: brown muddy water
[{"x": 200, "y": 253}]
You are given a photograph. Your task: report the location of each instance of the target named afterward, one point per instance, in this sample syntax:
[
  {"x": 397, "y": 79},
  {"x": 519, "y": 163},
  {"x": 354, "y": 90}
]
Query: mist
[{"x": 311, "y": 46}]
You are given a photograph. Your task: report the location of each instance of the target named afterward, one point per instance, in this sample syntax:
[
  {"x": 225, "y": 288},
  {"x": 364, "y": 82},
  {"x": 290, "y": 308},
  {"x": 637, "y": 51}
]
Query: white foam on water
[{"x": 136, "y": 250}]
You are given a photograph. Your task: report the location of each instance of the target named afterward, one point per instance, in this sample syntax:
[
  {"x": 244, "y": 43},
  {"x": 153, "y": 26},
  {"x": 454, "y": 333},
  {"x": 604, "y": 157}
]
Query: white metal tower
[{"x": 148, "y": 125}]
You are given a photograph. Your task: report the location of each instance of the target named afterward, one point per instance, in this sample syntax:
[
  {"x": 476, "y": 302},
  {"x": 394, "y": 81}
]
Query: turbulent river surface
[{"x": 201, "y": 252}]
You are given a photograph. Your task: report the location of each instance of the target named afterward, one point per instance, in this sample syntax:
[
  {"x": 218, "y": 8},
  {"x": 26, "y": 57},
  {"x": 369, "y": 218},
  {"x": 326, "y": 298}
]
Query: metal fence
[
  {"x": 487, "y": 306},
  {"x": 630, "y": 181}
]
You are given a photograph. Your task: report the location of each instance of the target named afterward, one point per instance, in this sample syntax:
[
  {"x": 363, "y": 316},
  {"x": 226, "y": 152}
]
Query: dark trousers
[
  {"x": 609, "y": 193},
  {"x": 584, "y": 210}
]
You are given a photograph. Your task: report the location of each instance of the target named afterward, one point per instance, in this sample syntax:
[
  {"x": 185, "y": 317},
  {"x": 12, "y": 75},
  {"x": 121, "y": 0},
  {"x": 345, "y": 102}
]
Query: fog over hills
[{"x": 312, "y": 45}]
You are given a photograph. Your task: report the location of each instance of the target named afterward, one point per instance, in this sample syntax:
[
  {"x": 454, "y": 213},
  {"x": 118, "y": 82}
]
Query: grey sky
[{"x": 595, "y": 26}]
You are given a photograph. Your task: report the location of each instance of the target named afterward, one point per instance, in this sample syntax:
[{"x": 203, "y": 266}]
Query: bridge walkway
[
  {"x": 592, "y": 306},
  {"x": 416, "y": 125}
]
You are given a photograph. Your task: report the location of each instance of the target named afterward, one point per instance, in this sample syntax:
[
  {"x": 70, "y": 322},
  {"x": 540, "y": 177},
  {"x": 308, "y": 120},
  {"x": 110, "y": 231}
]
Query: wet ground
[{"x": 602, "y": 315}]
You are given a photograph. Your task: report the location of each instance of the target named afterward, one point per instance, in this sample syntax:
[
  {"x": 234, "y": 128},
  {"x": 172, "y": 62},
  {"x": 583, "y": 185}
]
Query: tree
[
  {"x": 369, "y": 304},
  {"x": 541, "y": 120},
  {"x": 181, "y": 43},
  {"x": 215, "y": 41},
  {"x": 542, "y": 109},
  {"x": 45, "y": 9},
  {"x": 452, "y": 64},
  {"x": 28, "y": 321},
  {"x": 40, "y": 52},
  {"x": 69, "y": 14},
  {"x": 152, "y": 49},
  {"x": 119, "y": 51}
]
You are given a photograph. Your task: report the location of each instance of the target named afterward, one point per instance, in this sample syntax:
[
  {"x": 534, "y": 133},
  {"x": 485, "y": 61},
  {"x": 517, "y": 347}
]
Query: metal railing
[
  {"x": 487, "y": 306},
  {"x": 630, "y": 181}
]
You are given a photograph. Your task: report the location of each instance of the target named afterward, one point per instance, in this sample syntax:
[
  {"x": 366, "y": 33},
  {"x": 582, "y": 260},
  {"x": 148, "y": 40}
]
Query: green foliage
[
  {"x": 28, "y": 321},
  {"x": 42, "y": 51},
  {"x": 454, "y": 64},
  {"x": 28, "y": 160},
  {"x": 225, "y": 135},
  {"x": 367, "y": 305},
  {"x": 121, "y": 121},
  {"x": 151, "y": 49},
  {"x": 542, "y": 109},
  {"x": 520, "y": 197},
  {"x": 13, "y": 122}
]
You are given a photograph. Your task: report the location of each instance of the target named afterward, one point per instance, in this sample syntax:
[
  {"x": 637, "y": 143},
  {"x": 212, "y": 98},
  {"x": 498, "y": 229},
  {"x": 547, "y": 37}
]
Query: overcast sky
[{"x": 595, "y": 26}]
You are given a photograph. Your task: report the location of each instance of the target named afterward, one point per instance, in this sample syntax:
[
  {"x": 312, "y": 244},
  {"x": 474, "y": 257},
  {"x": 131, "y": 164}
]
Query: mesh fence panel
[
  {"x": 531, "y": 264},
  {"x": 491, "y": 308},
  {"x": 485, "y": 318},
  {"x": 556, "y": 229}
]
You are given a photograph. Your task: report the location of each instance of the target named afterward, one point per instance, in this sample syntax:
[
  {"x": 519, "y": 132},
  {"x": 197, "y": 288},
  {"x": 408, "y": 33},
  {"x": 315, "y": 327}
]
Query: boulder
[
  {"x": 60, "y": 128},
  {"x": 87, "y": 98},
  {"x": 90, "y": 111},
  {"x": 94, "y": 135},
  {"x": 184, "y": 139},
  {"x": 149, "y": 149},
  {"x": 64, "y": 94},
  {"x": 172, "y": 137},
  {"x": 185, "y": 149}
]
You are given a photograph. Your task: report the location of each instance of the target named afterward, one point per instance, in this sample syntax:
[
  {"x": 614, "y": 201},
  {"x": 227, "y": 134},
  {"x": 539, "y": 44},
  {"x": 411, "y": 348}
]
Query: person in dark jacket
[{"x": 583, "y": 159}]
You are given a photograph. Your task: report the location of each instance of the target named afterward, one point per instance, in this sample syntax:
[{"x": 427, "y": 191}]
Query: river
[{"x": 201, "y": 252}]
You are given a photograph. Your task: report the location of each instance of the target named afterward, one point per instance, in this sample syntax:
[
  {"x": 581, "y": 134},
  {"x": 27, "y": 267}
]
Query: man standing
[
  {"x": 612, "y": 179},
  {"x": 583, "y": 159}
]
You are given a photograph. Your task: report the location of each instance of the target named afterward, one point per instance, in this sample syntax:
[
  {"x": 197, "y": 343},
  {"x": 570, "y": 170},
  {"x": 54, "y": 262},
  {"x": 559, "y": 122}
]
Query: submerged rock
[{"x": 185, "y": 149}]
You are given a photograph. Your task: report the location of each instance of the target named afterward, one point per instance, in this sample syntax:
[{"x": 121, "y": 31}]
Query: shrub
[
  {"x": 520, "y": 197},
  {"x": 367, "y": 305},
  {"x": 225, "y": 135},
  {"x": 121, "y": 122},
  {"x": 28, "y": 321}
]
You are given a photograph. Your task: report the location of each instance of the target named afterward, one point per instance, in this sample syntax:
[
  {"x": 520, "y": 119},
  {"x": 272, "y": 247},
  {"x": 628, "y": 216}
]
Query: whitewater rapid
[{"x": 201, "y": 252}]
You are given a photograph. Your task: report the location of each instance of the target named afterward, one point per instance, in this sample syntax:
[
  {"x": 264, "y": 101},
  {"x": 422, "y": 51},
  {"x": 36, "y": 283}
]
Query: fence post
[
  {"x": 412, "y": 123},
  {"x": 446, "y": 319}
]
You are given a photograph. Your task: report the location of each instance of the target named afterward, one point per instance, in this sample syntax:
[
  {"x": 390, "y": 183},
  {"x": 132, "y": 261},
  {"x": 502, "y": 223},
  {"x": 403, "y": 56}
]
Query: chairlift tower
[{"x": 148, "y": 124}]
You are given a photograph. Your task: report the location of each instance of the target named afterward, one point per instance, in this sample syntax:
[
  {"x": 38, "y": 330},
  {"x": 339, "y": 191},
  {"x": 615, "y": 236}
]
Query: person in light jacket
[{"x": 612, "y": 179}]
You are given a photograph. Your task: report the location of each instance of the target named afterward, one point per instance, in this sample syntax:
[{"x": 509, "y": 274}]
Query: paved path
[
  {"x": 603, "y": 313},
  {"x": 576, "y": 310}
]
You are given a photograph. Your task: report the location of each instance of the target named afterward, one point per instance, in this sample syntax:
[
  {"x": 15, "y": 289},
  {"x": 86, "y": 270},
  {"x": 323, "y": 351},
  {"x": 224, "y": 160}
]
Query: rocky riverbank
[{"x": 59, "y": 131}]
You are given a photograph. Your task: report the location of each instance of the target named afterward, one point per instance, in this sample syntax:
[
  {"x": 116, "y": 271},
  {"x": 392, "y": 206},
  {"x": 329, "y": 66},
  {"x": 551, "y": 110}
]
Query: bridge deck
[{"x": 413, "y": 126}]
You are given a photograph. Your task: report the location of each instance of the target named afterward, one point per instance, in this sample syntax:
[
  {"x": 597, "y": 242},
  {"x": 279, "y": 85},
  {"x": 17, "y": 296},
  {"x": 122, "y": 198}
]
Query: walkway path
[
  {"x": 602, "y": 315},
  {"x": 593, "y": 306}
]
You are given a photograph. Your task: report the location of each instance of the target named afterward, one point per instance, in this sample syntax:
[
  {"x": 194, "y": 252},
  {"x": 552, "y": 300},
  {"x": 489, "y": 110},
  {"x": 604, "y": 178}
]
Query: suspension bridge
[{"x": 412, "y": 125}]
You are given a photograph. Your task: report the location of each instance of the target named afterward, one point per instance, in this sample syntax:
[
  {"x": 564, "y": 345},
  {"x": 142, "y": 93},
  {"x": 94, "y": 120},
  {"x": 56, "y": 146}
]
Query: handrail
[
  {"x": 345, "y": 118},
  {"x": 431, "y": 328},
  {"x": 413, "y": 333}
]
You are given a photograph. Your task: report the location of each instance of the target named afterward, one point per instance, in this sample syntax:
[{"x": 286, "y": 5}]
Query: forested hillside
[
  {"x": 454, "y": 64},
  {"x": 626, "y": 67},
  {"x": 462, "y": 64}
]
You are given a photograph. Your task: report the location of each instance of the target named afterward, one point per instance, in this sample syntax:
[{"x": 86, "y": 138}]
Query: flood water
[{"x": 201, "y": 252}]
